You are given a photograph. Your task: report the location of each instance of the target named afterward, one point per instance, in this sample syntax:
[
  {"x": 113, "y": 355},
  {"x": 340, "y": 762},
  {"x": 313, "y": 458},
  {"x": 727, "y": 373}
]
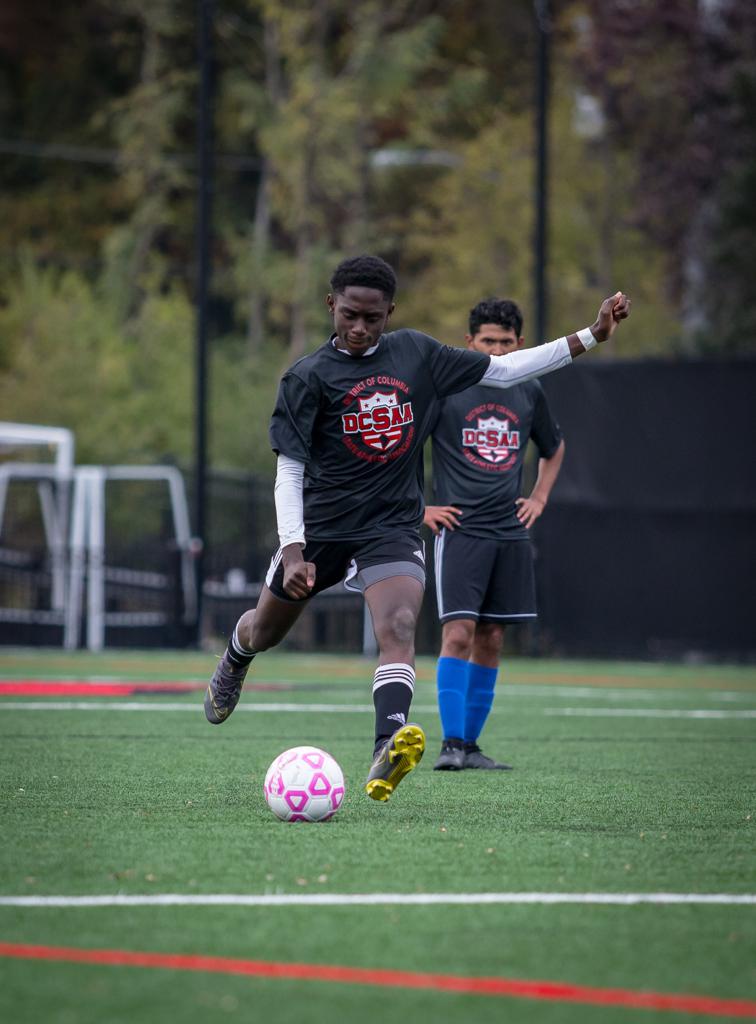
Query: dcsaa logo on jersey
[
  {"x": 493, "y": 439},
  {"x": 380, "y": 421}
]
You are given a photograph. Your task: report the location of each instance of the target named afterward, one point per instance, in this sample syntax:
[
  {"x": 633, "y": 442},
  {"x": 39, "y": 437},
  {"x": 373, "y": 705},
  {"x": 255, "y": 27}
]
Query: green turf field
[{"x": 628, "y": 779}]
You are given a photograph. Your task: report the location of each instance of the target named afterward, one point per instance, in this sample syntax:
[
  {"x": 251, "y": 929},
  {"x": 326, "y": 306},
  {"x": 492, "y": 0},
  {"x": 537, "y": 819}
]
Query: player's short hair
[
  {"x": 504, "y": 312},
  {"x": 365, "y": 272}
]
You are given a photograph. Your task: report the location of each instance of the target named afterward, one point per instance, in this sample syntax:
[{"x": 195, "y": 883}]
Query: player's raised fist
[
  {"x": 612, "y": 310},
  {"x": 621, "y": 307}
]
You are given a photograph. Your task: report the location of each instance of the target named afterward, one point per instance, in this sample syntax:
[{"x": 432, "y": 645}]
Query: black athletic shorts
[
  {"x": 358, "y": 563},
  {"x": 484, "y": 580}
]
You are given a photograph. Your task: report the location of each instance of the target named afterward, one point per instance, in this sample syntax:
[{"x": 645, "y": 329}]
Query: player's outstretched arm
[{"x": 525, "y": 364}]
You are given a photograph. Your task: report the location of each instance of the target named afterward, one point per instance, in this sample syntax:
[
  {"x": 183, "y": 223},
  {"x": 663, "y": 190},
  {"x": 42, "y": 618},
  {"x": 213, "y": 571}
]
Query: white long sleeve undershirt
[
  {"x": 527, "y": 363},
  {"x": 288, "y": 498}
]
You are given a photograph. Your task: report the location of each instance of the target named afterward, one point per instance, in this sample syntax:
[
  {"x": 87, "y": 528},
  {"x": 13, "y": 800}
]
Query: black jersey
[
  {"x": 359, "y": 424},
  {"x": 479, "y": 441}
]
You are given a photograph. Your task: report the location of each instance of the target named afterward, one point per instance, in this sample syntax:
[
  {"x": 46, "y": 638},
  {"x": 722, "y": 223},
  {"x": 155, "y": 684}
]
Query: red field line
[
  {"x": 547, "y": 990},
  {"x": 34, "y": 688},
  {"x": 75, "y": 688}
]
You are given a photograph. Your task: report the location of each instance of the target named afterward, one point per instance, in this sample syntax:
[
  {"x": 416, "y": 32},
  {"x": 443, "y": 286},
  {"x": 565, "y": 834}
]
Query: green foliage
[
  {"x": 243, "y": 392},
  {"x": 123, "y": 387},
  {"x": 127, "y": 388},
  {"x": 596, "y": 248},
  {"x": 471, "y": 237}
]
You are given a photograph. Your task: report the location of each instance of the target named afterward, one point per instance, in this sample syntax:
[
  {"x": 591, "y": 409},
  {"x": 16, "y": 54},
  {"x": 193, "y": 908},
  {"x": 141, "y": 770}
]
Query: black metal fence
[{"x": 647, "y": 548}]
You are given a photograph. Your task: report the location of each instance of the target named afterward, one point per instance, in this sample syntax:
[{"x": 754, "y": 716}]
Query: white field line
[
  {"x": 650, "y": 712},
  {"x": 155, "y": 706},
  {"x": 381, "y": 899},
  {"x": 621, "y": 693}
]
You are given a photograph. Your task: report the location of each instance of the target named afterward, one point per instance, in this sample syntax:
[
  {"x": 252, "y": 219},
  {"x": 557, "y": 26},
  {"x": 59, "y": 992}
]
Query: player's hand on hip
[
  {"x": 439, "y": 516},
  {"x": 528, "y": 510},
  {"x": 611, "y": 312}
]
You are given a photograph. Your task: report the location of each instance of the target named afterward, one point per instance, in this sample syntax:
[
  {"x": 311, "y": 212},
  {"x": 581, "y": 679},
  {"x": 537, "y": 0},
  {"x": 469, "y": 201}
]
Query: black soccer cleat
[
  {"x": 396, "y": 758},
  {"x": 224, "y": 690},
  {"x": 475, "y": 758},
  {"x": 451, "y": 758}
]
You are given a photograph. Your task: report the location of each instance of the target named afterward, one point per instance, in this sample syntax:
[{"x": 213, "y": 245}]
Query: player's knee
[
  {"x": 398, "y": 628},
  {"x": 457, "y": 649},
  {"x": 457, "y": 640}
]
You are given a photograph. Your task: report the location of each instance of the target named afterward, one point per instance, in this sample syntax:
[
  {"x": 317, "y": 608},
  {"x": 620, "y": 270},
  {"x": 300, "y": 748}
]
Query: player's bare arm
[
  {"x": 439, "y": 516},
  {"x": 299, "y": 576},
  {"x": 529, "y": 509},
  {"x": 611, "y": 312}
]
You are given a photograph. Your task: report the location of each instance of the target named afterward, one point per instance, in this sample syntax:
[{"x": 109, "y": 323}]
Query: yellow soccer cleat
[{"x": 396, "y": 758}]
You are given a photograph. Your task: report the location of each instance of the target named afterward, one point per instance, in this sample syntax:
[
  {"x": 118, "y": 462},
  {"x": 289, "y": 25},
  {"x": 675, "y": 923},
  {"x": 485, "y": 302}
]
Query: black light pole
[
  {"x": 204, "y": 269},
  {"x": 541, "y": 254}
]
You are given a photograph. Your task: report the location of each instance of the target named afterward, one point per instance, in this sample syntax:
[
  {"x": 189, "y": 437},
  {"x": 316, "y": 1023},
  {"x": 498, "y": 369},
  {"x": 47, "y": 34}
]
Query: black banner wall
[{"x": 648, "y": 546}]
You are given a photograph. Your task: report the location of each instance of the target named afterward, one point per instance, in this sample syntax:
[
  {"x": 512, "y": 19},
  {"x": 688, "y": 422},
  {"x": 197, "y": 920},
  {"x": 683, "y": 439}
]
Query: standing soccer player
[
  {"x": 348, "y": 430},
  {"x": 485, "y": 576}
]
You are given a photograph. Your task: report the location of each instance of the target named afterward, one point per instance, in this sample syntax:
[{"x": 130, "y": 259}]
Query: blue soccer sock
[
  {"x": 480, "y": 694},
  {"x": 451, "y": 684}
]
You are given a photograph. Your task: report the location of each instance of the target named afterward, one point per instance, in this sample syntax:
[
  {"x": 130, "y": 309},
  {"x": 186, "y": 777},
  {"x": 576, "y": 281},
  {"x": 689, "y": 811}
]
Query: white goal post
[
  {"x": 87, "y": 551},
  {"x": 72, "y": 501},
  {"x": 53, "y": 488}
]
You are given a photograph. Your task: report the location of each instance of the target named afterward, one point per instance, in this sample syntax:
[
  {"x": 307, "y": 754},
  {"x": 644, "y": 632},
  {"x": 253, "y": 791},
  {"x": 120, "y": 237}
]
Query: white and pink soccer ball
[{"x": 304, "y": 784}]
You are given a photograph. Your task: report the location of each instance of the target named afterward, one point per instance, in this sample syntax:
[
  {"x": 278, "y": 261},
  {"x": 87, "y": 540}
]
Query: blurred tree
[
  {"x": 58, "y": 65},
  {"x": 676, "y": 82},
  {"x": 73, "y": 362},
  {"x": 146, "y": 124},
  {"x": 405, "y": 129},
  {"x": 331, "y": 77}
]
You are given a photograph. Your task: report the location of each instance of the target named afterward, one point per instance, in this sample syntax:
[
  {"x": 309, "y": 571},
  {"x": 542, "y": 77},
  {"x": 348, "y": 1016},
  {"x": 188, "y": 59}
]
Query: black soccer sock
[
  {"x": 238, "y": 655},
  {"x": 393, "y": 687}
]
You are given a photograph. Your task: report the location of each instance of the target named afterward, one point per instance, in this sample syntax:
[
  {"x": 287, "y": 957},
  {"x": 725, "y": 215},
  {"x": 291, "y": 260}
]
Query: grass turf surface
[{"x": 147, "y": 802}]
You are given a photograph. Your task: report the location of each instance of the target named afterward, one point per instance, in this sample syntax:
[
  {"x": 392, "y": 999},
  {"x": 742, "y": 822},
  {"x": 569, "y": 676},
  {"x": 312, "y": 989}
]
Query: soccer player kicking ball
[
  {"x": 348, "y": 429},
  {"x": 485, "y": 577}
]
